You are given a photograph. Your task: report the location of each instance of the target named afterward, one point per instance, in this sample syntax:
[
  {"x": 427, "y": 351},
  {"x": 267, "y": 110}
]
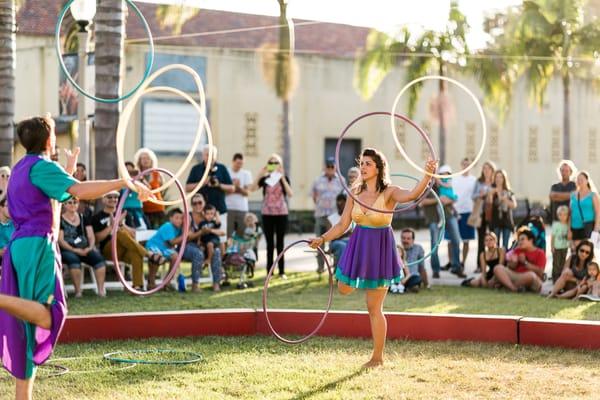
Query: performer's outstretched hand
[
  {"x": 316, "y": 242},
  {"x": 143, "y": 191},
  {"x": 72, "y": 157},
  {"x": 431, "y": 165}
]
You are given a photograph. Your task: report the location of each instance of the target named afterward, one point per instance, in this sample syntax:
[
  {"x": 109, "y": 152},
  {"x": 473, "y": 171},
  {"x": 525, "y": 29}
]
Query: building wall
[{"x": 527, "y": 144}]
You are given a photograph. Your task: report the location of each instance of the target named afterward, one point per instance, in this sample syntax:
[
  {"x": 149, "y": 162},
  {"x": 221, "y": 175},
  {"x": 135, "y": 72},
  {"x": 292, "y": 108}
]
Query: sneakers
[
  {"x": 181, "y": 283},
  {"x": 397, "y": 289}
]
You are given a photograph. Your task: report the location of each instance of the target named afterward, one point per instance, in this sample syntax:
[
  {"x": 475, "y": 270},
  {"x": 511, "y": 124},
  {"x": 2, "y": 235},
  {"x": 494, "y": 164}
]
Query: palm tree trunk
[
  {"x": 282, "y": 81},
  {"x": 566, "y": 116},
  {"x": 8, "y": 45},
  {"x": 285, "y": 132},
  {"x": 442, "y": 119},
  {"x": 110, "y": 35}
]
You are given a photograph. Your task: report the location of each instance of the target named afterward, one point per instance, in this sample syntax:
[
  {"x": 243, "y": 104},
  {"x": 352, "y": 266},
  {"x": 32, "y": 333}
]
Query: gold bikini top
[{"x": 372, "y": 218}]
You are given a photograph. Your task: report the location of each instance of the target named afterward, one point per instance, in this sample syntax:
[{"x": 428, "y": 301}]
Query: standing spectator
[
  {"x": 86, "y": 207},
  {"x": 452, "y": 233},
  {"x": 6, "y": 227},
  {"x": 492, "y": 257},
  {"x": 135, "y": 217},
  {"x": 128, "y": 249},
  {"x": 575, "y": 271},
  {"x": 145, "y": 159},
  {"x": 585, "y": 209},
  {"x": 482, "y": 211},
  {"x": 218, "y": 184},
  {"x": 77, "y": 244},
  {"x": 463, "y": 186},
  {"x": 276, "y": 190},
  {"x": 194, "y": 253},
  {"x": 237, "y": 202},
  {"x": 324, "y": 192},
  {"x": 432, "y": 219},
  {"x": 503, "y": 202},
  {"x": 353, "y": 174},
  {"x": 560, "y": 192},
  {"x": 560, "y": 241},
  {"x": 414, "y": 252},
  {"x": 525, "y": 265},
  {"x": 4, "y": 175},
  {"x": 80, "y": 172},
  {"x": 338, "y": 245}
]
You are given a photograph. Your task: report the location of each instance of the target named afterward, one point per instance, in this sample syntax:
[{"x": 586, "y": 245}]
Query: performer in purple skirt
[
  {"x": 32, "y": 301},
  {"x": 370, "y": 260}
]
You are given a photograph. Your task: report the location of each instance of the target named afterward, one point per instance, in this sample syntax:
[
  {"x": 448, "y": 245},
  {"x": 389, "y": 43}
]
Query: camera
[{"x": 212, "y": 179}]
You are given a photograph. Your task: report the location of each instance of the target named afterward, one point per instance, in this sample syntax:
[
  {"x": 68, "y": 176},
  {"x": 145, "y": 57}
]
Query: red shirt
[{"x": 536, "y": 257}]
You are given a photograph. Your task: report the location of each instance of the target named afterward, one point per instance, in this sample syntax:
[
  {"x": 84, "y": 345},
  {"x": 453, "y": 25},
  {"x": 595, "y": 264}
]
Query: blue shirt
[
  {"x": 6, "y": 230},
  {"x": 213, "y": 194},
  {"x": 132, "y": 200},
  {"x": 413, "y": 254},
  {"x": 161, "y": 238},
  {"x": 582, "y": 210}
]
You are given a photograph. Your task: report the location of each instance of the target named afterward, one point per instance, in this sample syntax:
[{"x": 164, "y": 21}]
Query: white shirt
[
  {"x": 463, "y": 187},
  {"x": 237, "y": 201}
]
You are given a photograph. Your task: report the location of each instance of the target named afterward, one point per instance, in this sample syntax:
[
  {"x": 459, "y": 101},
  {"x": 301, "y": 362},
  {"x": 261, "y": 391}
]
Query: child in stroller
[{"x": 241, "y": 251}]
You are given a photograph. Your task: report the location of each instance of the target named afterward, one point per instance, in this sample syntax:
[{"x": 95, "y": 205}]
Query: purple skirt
[{"x": 370, "y": 260}]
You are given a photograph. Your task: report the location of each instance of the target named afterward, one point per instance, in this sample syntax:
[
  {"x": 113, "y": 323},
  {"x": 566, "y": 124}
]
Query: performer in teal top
[{"x": 32, "y": 302}]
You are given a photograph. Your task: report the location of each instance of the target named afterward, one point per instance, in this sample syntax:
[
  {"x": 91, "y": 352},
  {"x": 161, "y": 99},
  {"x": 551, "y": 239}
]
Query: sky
[{"x": 385, "y": 15}]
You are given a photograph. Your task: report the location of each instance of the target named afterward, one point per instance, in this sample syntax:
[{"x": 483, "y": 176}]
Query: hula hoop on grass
[
  {"x": 442, "y": 218},
  {"x": 115, "y": 227},
  {"x": 119, "y": 357},
  {"x": 81, "y": 90},
  {"x": 90, "y": 371},
  {"x": 266, "y": 287},
  {"x": 59, "y": 370},
  {"x": 406, "y": 206}
]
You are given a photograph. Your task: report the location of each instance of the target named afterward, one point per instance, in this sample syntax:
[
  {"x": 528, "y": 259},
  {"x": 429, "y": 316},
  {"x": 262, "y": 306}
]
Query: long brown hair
[
  {"x": 383, "y": 173},
  {"x": 506, "y": 183},
  {"x": 489, "y": 164}
]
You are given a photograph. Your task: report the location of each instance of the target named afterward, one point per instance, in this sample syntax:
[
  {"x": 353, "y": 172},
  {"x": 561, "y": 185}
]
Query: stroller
[{"x": 240, "y": 259}]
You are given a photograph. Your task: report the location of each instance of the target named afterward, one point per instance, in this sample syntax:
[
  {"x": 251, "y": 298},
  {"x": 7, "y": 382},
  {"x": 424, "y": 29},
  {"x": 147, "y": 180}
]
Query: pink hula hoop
[
  {"x": 115, "y": 227},
  {"x": 264, "y": 297}
]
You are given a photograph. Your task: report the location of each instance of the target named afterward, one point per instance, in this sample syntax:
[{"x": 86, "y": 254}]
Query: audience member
[
  {"x": 492, "y": 257},
  {"x": 560, "y": 192},
  {"x": 429, "y": 206},
  {"x": 414, "y": 252},
  {"x": 86, "y": 207},
  {"x": 211, "y": 227},
  {"x": 338, "y": 246},
  {"x": 585, "y": 209},
  {"x": 592, "y": 282},
  {"x": 353, "y": 174},
  {"x": 144, "y": 160},
  {"x": 6, "y": 227},
  {"x": 503, "y": 201},
  {"x": 574, "y": 272},
  {"x": 452, "y": 233},
  {"x": 237, "y": 202},
  {"x": 482, "y": 211},
  {"x": 463, "y": 186},
  {"x": 135, "y": 217},
  {"x": 559, "y": 241},
  {"x": 4, "y": 175}
]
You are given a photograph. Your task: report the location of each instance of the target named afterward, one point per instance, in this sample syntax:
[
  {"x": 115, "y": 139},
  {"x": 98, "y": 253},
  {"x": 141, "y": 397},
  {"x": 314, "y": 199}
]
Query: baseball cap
[
  {"x": 330, "y": 162},
  {"x": 445, "y": 169}
]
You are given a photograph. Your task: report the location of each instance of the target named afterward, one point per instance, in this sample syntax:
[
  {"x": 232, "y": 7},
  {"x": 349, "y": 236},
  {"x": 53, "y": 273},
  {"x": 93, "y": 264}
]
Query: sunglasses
[
  {"x": 5, "y": 176},
  {"x": 273, "y": 162},
  {"x": 71, "y": 202},
  {"x": 584, "y": 251}
]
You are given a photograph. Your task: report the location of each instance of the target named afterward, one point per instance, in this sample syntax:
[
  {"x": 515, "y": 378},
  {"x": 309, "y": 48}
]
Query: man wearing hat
[{"x": 324, "y": 192}]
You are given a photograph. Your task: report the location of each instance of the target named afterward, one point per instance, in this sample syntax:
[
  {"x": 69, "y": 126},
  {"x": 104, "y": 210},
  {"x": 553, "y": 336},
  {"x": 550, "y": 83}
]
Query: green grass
[
  {"x": 304, "y": 291},
  {"x": 325, "y": 368}
]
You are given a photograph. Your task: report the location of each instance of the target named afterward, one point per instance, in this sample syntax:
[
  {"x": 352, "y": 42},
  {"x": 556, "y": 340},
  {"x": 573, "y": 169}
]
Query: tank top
[
  {"x": 371, "y": 218},
  {"x": 582, "y": 209}
]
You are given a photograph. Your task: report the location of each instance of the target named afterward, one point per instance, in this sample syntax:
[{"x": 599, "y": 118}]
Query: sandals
[{"x": 157, "y": 259}]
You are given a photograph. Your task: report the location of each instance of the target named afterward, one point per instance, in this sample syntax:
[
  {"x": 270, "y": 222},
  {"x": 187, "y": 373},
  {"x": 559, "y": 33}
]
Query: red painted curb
[
  {"x": 560, "y": 333},
  {"x": 225, "y": 322},
  {"x": 479, "y": 328}
]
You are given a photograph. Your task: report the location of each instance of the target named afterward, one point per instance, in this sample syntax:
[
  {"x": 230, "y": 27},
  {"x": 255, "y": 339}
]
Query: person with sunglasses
[
  {"x": 4, "y": 175},
  {"x": 32, "y": 301},
  {"x": 524, "y": 265},
  {"x": 574, "y": 271}
]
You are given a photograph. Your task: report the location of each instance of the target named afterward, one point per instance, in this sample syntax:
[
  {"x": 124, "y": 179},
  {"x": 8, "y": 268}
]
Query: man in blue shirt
[{"x": 216, "y": 187}]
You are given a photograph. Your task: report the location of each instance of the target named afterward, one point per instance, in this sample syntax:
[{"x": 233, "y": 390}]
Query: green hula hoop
[
  {"x": 442, "y": 217},
  {"x": 81, "y": 90},
  {"x": 117, "y": 357}
]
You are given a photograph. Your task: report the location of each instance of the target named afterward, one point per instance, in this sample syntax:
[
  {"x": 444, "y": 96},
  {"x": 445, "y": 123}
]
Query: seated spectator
[
  {"x": 338, "y": 245},
  {"x": 525, "y": 265},
  {"x": 6, "y": 228},
  {"x": 128, "y": 249},
  {"x": 135, "y": 217},
  {"x": 194, "y": 253},
  {"x": 492, "y": 257},
  {"x": 414, "y": 252},
  {"x": 574, "y": 272},
  {"x": 211, "y": 227},
  {"x": 77, "y": 245},
  {"x": 163, "y": 243},
  {"x": 591, "y": 285},
  {"x": 4, "y": 175},
  {"x": 399, "y": 288}
]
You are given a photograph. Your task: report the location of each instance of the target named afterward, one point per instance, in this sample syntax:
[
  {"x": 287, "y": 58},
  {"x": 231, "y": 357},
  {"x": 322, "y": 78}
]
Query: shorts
[
  {"x": 583, "y": 233},
  {"x": 467, "y": 232}
]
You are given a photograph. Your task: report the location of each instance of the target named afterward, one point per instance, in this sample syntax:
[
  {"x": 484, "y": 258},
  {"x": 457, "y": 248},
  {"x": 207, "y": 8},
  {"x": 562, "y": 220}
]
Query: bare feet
[
  {"x": 373, "y": 363},
  {"x": 195, "y": 288},
  {"x": 216, "y": 287}
]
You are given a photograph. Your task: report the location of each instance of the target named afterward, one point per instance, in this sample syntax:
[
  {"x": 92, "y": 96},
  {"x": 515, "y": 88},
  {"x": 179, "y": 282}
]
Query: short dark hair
[
  {"x": 210, "y": 207},
  {"x": 341, "y": 197},
  {"x": 3, "y": 202},
  {"x": 129, "y": 164},
  {"x": 174, "y": 211},
  {"x": 34, "y": 133},
  {"x": 238, "y": 156},
  {"x": 82, "y": 165},
  {"x": 409, "y": 230},
  {"x": 527, "y": 232}
]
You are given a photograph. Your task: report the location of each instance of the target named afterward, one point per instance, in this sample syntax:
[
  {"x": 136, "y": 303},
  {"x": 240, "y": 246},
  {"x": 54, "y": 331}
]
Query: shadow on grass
[{"x": 330, "y": 386}]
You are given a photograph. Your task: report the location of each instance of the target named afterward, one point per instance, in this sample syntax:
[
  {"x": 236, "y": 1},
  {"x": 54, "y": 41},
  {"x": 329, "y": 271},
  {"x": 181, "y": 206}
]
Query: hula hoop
[
  {"x": 115, "y": 227},
  {"x": 406, "y": 206},
  {"x": 115, "y": 357},
  {"x": 201, "y": 108},
  {"x": 442, "y": 218},
  {"x": 90, "y": 371},
  {"x": 60, "y": 370},
  {"x": 477, "y": 105},
  {"x": 266, "y": 287},
  {"x": 81, "y": 90}
]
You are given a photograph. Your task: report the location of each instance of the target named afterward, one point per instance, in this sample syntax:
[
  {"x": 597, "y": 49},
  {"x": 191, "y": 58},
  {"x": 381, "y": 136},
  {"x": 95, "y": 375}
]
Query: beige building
[{"x": 245, "y": 114}]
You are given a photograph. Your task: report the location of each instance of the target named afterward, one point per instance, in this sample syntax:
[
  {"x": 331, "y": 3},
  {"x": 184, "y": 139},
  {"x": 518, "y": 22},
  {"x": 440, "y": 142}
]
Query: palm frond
[{"x": 175, "y": 17}]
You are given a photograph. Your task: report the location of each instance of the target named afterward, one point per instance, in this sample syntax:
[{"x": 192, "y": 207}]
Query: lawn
[
  {"x": 325, "y": 368},
  {"x": 305, "y": 291}
]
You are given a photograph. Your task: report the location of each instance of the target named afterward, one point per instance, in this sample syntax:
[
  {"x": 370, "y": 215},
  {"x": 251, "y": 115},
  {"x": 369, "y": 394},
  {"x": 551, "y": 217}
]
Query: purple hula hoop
[
  {"x": 185, "y": 229},
  {"x": 406, "y": 206},
  {"x": 264, "y": 298}
]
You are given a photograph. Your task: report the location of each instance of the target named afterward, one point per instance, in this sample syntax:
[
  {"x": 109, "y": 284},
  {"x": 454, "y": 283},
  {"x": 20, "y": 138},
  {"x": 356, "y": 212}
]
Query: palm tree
[
  {"x": 109, "y": 50},
  {"x": 175, "y": 16},
  {"x": 7, "y": 79},
  {"x": 552, "y": 37},
  {"x": 433, "y": 52},
  {"x": 280, "y": 70}
]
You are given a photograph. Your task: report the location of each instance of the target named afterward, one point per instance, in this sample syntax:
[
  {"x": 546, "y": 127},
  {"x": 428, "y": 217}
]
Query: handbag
[
  {"x": 474, "y": 219},
  {"x": 588, "y": 227}
]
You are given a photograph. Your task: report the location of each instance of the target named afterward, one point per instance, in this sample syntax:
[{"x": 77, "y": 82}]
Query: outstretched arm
[
  {"x": 338, "y": 229},
  {"x": 400, "y": 195}
]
